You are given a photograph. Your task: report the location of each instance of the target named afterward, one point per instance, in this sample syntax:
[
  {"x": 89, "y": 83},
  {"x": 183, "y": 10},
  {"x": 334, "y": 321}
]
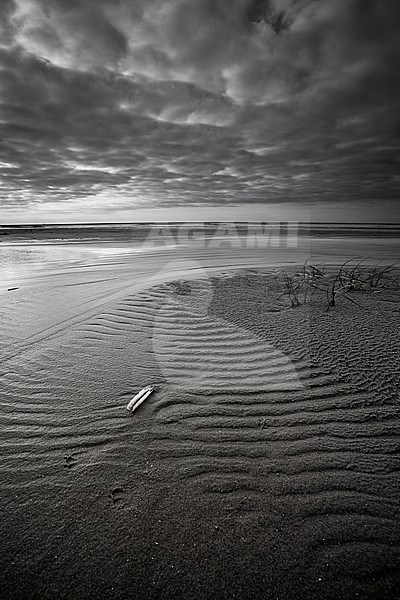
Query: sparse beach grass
[{"x": 310, "y": 280}]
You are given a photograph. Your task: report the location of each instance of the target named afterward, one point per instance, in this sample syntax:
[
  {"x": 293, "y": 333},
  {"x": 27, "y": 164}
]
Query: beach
[{"x": 264, "y": 465}]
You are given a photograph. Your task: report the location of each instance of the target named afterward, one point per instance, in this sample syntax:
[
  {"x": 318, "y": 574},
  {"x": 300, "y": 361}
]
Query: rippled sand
[{"x": 265, "y": 466}]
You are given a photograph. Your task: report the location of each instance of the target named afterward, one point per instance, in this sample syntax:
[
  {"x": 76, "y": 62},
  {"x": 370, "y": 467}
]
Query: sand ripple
[{"x": 261, "y": 415}]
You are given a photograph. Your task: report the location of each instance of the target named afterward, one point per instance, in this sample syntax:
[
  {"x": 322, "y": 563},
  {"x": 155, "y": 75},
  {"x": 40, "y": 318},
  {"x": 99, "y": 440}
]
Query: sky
[{"x": 129, "y": 110}]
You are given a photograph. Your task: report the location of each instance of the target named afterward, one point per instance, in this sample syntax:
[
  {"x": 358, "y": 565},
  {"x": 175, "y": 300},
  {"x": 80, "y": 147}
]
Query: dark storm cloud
[
  {"x": 264, "y": 10},
  {"x": 199, "y": 101}
]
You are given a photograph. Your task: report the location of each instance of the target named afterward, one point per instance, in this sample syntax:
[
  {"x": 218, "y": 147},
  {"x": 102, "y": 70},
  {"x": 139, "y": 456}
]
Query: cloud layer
[{"x": 198, "y": 102}]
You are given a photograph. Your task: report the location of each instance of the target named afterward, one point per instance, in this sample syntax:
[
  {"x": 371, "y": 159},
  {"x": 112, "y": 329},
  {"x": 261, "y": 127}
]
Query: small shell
[{"x": 140, "y": 397}]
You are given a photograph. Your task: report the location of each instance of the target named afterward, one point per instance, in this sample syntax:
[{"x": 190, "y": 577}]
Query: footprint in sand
[
  {"x": 117, "y": 496},
  {"x": 197, "y": 351},
  {"x": 69, "y": 461}
]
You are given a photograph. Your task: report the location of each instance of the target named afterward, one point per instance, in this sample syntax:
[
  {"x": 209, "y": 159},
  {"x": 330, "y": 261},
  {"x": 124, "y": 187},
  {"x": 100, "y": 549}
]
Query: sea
[{"x": 25, "y": 249}]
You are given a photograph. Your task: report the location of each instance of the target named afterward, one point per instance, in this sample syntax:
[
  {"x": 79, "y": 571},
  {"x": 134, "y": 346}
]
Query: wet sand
[{"x": 285, "y": 486}]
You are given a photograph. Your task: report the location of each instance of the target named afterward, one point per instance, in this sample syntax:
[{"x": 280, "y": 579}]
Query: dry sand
[{"x": 285, "y": 487}]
